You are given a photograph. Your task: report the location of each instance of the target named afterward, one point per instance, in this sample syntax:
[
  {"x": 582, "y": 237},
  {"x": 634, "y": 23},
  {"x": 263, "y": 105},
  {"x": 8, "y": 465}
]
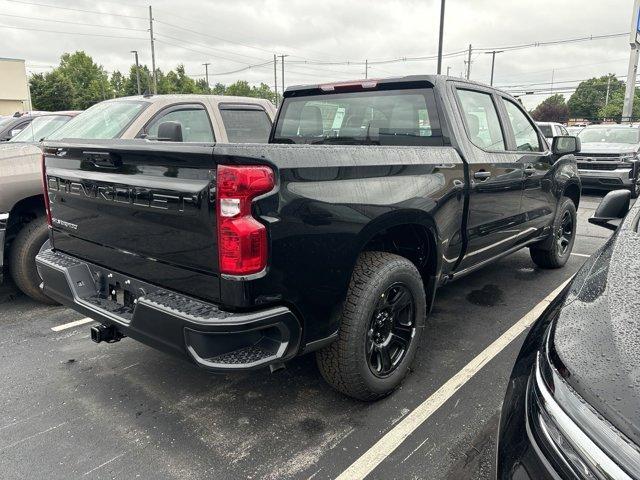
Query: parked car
[
  {"x": 194, "y": 118},
  {"x": 609, "y": 157},
  {"x": 22, "y": 227},
  {"x": 572, "y": 407},
  {"x": 10, "y": 126},
  {"x": 332, "y": 238},
  {"x": 552, "y": 129}
]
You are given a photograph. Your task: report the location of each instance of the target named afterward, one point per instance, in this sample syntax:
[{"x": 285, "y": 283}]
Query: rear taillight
[
  {"x": 242, "y": 240},
  {"x": 45, "y": 190}
]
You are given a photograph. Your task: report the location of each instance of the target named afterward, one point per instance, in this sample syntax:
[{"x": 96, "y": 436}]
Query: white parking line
[
  {"x": 64, "y": 326},
  {"x": 580, "y": 255},
  {"x": 384, "y": 447}
]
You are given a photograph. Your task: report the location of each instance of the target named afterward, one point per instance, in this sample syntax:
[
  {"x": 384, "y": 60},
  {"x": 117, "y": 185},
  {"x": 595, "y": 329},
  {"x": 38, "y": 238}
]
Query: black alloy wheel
[
  {"x": 391, "y": 330},
  {"x": 564, "y": 234}
]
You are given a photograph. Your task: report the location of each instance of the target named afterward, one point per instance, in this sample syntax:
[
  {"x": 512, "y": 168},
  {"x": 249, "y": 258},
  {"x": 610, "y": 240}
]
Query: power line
[
  {"x": 72, "y": 33},
  {"x": 77, "y": 9},
  {"x": 210, "y": 48},
  {"x": 84, "y": 24}
]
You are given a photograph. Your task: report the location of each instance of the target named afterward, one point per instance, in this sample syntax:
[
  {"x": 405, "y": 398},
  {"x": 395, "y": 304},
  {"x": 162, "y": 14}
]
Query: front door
[
  {"x": 538, "y": 200},
  {"x": 494, "y": 221}
]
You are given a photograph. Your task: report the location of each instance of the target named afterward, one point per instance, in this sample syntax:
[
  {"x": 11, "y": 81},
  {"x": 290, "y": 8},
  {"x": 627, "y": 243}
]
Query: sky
[{"x": 329, "y": 40}]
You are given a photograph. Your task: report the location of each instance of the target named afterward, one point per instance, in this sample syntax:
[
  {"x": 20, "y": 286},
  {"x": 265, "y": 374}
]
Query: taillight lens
[
  {"x": 242, "y": 240},
  {"x": 45, "y": 190}
]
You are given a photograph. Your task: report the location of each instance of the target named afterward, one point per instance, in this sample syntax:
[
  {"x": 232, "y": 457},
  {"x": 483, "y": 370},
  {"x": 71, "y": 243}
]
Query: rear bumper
[
  {"x": 214, "y": 339},
  {"x": 4, "y": 220}
]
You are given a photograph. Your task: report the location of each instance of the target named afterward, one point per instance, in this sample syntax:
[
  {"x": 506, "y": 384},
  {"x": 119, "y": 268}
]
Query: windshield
[
  {"x": 104, "y": 120},
  {"x": 390, "y": 117},
  {"x": 40, "y": 128},
  {"x": 610, "y": 135},
  {"x": 546, "y": 130},
  {"x": 5, "y": 120}
]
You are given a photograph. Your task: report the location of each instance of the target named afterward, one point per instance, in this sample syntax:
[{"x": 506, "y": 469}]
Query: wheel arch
[
  {"x": 412, "y": 234},
  {"x": 572, "y": 190}
]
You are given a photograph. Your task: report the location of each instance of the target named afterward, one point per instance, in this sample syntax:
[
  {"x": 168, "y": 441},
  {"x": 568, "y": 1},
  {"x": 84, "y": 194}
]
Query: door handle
[
  {"x": 529, "y": 170},
  {"x": 482, "y": 175}
]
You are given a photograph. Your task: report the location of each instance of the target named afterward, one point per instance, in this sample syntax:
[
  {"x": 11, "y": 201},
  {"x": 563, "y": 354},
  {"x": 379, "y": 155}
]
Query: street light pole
[
  {"x": 493, "y": 61},
  {"x": 440, "y": 36},
  {"x": 206, "y": 73},
  {"x": 153, "y": 52},
  {"x": 135, "y": 52},
  {"x": 469, "y": 63}
]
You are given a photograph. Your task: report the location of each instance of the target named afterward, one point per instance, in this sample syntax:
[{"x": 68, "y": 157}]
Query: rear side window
[
  {"x": 194, "y": 120},
  {"x": 388, "y": 117},
  {"x": 246, "y": 125},
  {"x": 525, "y": 133},
  {"x": 546, "y": 130},
  {"x": 481, "y": 118}
]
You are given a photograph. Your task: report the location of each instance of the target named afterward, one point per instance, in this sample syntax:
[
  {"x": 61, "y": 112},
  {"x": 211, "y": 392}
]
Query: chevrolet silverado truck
[
  {"x": 176, "y": 118},
  {"x": 610, "y": 157},
  {"x": 333, "y": 238}
]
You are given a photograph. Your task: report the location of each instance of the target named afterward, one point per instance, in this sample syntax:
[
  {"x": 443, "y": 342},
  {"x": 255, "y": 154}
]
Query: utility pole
[
  {"x": 606, "y": 100},
  {"x": 275, "y": 77},
  {"x": 440, "y": 37},
  {"x": 469, "y": 63},
  {"x": 366, "y": 68},
  {"x": 135, "y": 52},
  {"x": 634, "y": 41},
  {"x": 493, "y": 61},
  {"x": 282, "y": 59},
  {"x": 553, "y": 74},
  {"x": 206, "y": 73},
  {"x": 448, "y": 70},
  {"x": 153, "y": 52}
]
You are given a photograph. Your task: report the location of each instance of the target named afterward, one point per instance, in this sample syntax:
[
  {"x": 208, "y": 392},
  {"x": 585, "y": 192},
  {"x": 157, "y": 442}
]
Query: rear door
[
  {"x": 494, "y": 221},
  {"x": 534, "y": 156}
]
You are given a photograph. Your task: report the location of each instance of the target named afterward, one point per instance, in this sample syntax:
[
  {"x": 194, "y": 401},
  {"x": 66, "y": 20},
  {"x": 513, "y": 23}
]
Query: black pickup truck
[{"x": 331, "y": 238}]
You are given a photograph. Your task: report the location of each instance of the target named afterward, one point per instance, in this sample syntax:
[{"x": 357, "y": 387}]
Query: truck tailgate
[{"x": 141, "y": 208}]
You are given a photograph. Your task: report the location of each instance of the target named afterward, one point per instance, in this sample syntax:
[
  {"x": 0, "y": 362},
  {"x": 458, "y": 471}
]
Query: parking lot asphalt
[{"x": 74, "y": 409}]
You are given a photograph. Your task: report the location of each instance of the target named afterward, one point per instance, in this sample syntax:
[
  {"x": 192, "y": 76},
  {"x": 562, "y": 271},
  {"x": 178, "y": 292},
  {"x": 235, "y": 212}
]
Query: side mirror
[
  {"x": 170, "y": 132},
  {"x": 612, "y": 209},
  {"x": 565, "y": 145}
]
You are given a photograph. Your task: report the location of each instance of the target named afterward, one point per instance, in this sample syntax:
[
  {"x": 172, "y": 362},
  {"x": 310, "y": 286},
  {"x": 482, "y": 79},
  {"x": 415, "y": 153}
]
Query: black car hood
[{"x": 597, "y": 334}]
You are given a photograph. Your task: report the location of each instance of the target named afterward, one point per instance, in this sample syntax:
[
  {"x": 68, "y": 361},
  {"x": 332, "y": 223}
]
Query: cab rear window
[
  {"x": 245, "y": 124},
  {"x": 386, "y": 117}
]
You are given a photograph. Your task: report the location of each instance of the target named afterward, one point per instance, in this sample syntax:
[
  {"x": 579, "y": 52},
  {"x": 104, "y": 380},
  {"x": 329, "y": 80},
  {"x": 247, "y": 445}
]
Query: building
[{"x": 14, "y": 87}]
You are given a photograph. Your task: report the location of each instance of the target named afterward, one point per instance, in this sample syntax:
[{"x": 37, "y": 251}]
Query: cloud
[{"x": 234, "y": 34}]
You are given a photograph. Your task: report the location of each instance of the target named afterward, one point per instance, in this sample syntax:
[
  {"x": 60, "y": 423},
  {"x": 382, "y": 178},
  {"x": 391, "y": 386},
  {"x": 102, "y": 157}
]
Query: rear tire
[
  {"x": 385, "y": 310},
  {"x": 22, "y": 259},
  {"x": 555, "y": 251}
]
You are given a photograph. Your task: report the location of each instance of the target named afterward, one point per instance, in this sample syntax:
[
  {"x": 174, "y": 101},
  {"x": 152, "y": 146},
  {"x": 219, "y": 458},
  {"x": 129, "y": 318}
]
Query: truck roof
[
  {"x": 433, "y": 80},
  {"x": 190, "y": 97}
]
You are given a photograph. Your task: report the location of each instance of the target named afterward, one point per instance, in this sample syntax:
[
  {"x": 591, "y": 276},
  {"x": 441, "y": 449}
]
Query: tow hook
[{"x": 104, "y": 333}]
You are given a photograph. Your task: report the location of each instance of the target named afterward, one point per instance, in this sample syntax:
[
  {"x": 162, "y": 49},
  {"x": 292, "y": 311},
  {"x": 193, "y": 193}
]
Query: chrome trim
[
  {"x": 581, "y": 443},
  {"x": 242, "y": 278},
  {"x": 4, "y": 216}
]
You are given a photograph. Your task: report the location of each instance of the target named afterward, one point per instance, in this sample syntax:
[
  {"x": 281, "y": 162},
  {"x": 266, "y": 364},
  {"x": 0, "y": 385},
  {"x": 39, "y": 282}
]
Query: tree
[
  {"x": 590, "y": 96},
  {"x": 552, "y": 109},
  {"x": 90, "y": 81},
  {"x": 51, "y": 92},
  {"x": 613, "y": 110},
  {"x": 118, "y": 82}
]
